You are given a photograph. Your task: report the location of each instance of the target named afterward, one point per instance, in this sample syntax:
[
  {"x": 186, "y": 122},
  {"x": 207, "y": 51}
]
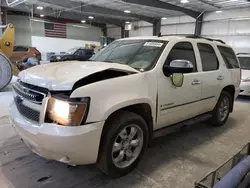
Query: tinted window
[
  {"x": 244, "y": 62},
  {"x": 80, "y": 52},
  {"x": 208, "y": 57},
  {"x": 20, "y": 49},
  {"x": 229, "y": 57},
  {"x": 89, "y": 52},
  {"x": 182, "y": 51}
]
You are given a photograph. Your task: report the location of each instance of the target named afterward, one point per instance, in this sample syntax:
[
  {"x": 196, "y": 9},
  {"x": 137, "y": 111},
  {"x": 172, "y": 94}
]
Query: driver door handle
[
  {"x": 196, "y": 82},
  {"x": 220, "y": 77}
]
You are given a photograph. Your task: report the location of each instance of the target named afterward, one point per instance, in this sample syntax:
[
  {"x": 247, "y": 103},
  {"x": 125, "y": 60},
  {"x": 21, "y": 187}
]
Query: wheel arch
[
  {"x": 142, "y": 109},
  {"x": 231, "y": 90}
]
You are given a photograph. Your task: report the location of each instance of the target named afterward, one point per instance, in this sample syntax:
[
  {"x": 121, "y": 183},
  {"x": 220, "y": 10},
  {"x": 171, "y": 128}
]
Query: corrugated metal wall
[{"x": 232, "y": 26}]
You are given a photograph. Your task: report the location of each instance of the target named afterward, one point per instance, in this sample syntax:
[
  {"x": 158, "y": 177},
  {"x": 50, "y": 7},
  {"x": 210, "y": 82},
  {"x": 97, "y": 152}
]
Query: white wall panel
[
  {"x": 142, "y": 31},
  {"x": 22, "y": 26},
  {"x": 114, "y": 31},
  {"x": 226, "y": 14},
  {"x": 80, "y": 33},
  {"x": 178, "y": 29},
  {"x": 172, "y": 25},
  {"x": 26, "y": 29},
  {"x": 232, "y": 26}
]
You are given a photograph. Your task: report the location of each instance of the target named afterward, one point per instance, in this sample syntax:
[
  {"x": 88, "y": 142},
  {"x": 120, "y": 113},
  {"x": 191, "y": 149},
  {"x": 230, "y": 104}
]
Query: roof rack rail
[
  {"x": 193, "y": 36},
  {"x": 243, "y": 54},
  {"x": 200, "y": 37}
]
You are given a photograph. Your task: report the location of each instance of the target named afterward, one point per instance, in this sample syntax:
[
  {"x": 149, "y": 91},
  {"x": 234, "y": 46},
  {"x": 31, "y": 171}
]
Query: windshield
[
  {"x": 138, "y": 54},
  {"x": 245, "y": 62},
  {"x": 72, "y": 50}
]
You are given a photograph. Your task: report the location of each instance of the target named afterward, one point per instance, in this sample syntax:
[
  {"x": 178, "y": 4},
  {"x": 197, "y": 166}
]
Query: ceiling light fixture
[
  {"x": 91, "y": 17},
  {"x": 39, "y": 8},
  {"x": 127, "y": 22},
  {"x": 184, "y": 1},
  {"x": 218, "y": 11},
  {"x": 42, "y": 15},
  {"x": 164, "y": 18},
  {"x": 127, "y": 11},
  {"x": 83, "y": 21}
]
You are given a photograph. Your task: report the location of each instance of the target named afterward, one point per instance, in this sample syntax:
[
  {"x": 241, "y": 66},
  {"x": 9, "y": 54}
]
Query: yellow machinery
[{"x": 7, "y": 69}]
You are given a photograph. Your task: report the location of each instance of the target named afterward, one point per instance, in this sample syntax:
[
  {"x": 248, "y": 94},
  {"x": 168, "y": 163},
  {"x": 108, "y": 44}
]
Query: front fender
[
  {"x": 110, "y": 95},
  {"x": 120, "y": 105}
]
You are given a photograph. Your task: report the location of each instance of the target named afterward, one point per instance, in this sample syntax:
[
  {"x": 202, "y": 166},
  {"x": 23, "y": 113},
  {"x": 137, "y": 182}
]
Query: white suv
[
  {"x": 244, "y": 59},
  {"x": 106, "y": 110}
]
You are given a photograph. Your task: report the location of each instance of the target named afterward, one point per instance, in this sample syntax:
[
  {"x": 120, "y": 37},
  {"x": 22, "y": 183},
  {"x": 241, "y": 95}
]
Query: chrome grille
[
  {"x": 29, "y": 94},
  {"x": 28, "y": 101},
  {"x": 26, "y": 111}
]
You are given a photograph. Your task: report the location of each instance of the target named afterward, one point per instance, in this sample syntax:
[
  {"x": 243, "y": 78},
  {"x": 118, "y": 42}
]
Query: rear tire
[
  {"x": 222, "y": 109},
  {"x": 124, "y": 140}
]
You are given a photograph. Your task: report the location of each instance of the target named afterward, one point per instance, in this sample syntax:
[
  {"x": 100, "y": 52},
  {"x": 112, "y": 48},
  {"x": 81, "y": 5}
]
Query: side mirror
[
  {"x": 178, "y": 66},
  {"x": 176, "y": 69}
]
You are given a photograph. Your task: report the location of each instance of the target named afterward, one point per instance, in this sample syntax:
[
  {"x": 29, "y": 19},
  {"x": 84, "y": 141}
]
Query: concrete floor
[{"x": 176, "y": 160}]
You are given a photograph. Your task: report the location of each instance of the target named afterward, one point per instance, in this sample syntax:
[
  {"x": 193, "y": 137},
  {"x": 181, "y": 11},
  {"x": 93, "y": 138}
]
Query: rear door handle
[
  {"x": 220, "y": 77},
  {"x": 196, "y": 82}
]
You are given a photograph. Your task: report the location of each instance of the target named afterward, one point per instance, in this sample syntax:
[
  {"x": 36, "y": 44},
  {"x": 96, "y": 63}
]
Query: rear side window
[
  {"x": 208, "y": 57},
  {"x": 20, "y": 49},
  {"x": 182, "y": 51},
  {"x": 229, "y": 57}
]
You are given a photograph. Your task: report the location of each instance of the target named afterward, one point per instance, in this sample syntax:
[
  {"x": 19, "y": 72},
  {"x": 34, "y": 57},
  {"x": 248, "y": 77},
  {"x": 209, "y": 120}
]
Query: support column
[
  {"x": 156, "y": 27},
  {"x": 198, "y": 25},
  {"x": 105, "y": 31},
  {"x": 124, "y": 33}
]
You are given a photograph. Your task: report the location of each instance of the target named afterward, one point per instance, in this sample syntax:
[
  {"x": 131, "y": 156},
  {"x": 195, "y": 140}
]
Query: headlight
[
  {"x": 70, "y": 112},
  {"x": 246, "y": 80},
  {"x": 58, "y": 57}
]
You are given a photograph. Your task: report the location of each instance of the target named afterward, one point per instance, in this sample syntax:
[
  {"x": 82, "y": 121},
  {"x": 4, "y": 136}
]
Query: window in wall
[
  {"x": 229, "y": 57},
  {"x": 182, "y": 51},
  {"x": 209, "y": 59}
]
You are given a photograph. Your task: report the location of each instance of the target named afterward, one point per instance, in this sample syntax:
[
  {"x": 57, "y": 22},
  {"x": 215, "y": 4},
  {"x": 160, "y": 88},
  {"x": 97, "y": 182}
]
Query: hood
[
  {"x": 63, "y": 75},
  {"x": 245, "y": 74}
]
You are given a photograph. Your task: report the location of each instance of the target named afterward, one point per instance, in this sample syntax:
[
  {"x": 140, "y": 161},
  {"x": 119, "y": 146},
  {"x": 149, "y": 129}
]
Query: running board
[{"x": 175, "y": 127}]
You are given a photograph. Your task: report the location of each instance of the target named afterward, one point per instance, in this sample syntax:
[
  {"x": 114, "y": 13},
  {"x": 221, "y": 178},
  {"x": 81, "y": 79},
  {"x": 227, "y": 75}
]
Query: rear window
[
  {"x": 20, "y": 49},
  {"x": 229, "y": 57},
  {"x": 244, "y": 62}
]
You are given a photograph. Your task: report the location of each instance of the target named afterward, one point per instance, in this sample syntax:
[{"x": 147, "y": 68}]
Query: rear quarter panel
[{"x": 231, "y": 76}]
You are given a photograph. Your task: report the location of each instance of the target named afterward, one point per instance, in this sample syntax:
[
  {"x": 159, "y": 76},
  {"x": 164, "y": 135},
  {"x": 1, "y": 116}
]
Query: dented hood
[{"x": 63, "y": 75}]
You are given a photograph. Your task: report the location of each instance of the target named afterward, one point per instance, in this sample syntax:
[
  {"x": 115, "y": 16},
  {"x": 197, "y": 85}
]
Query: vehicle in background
[
  {"x": 79, "y": 54},
  {"x": 107, "y": 110},
  {"x": 22, "y": 53},
  {"x": 244, "y": 59}
]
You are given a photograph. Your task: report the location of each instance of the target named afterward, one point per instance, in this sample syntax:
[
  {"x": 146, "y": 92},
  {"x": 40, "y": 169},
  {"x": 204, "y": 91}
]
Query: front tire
[
  {"x": 124, "y": 140},
  {"x": 222, "y": 109}
]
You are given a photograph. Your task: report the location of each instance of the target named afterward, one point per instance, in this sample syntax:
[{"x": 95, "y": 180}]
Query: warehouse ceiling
[{"x": 112, "y": 11}]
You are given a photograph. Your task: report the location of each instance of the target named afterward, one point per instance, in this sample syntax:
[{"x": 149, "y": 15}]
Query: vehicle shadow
[{"x": 164, "y": 161}]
